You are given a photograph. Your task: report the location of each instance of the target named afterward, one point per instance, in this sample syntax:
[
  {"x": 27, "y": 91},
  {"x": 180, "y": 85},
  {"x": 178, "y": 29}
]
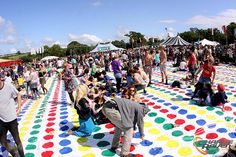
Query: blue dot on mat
[
  {"x": 167, "y": 104},
  {"x": 201, "y": 122},
  {"x": 64, "y": 128},
  {"x": 18, "y": 119},
  {"x": 160, "y": 101},
  {"x": 182, "y": 111},
  {"x": 233, "y": 104},
  {"x": 186, "y": 99},
  {"x": 64, "y": 122},
  {"x": 167, "y": 156},
  {"x": 210, "y": 126},
  {"x": 191, "y": 116},
  {"x": 145, "y": 94},
  {"x": 62, "y": 113},
  {"x": 174, "y": 107},
  {"x": 63, "y": 117},
  {"x": 65, "y": 150},
  {"x": 222, "y": 130},
  {"x": 232, "y": 135},
  {"x": 63, "y": 109},
  {"x": 146, "y": 143},
  {"x": 156, "y": 150},
  {"x": 137, "y": 135},
  {"x": 64, "y": 142},
  {"x": 155, "y": 98},
  {"x": 150, "y": 96},
  {"x": 63, "y": 135}
]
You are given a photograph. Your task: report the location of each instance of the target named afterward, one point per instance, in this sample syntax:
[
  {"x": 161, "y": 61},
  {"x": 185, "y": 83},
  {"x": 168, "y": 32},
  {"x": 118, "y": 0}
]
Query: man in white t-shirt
[{"x": 8, "y": 116}]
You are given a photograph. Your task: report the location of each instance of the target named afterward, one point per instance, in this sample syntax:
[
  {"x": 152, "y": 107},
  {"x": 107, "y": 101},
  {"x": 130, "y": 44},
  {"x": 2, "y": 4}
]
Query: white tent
[
  {"x": 207, "y": 42},
  {"x": 175, "y": 41},
  {"x": 105, "y": 47},
  {"x": 49, "y": 58}
]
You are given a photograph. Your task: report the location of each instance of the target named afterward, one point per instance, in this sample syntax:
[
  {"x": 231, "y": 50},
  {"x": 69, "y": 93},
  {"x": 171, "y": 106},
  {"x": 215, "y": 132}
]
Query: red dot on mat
[
  {"x": 150, "y": 103},
  {"x": 228, "y": 108},
  {"x": 109, "y": 126},
  {"x": 132, "y": 148},
  {"x": 176, "y": 89},
  {"x": 48, "y": 145},
  {"x": 181, "y": 91},
  {"x": 48, "y": 130},
  {"x": 50, "y": 124},
  {"x": 199, "y": 131},
  {"x": 145, "y": 100},
  {"x": 179, "y": 121},
  {"x": 52, "y": 110},
  {"x": 48, "y": 137},
  {"x": 171, "y": 116},
  {"x": 142, "y": 98},
  {"x": 47, "y": 154},
  {"x": 156, "y": 107},
  {"x": 164, "y": 111},
  {"x": 189, "y": 127},
  {"x": 112, "y": 132},
  {"x": 138, "y": 155},
  {"x": 51, "y": 119},
  {"x": 52, "y": 114},
  {"x": 235, "y": 113},
  {"x": 211, "y": 136}
]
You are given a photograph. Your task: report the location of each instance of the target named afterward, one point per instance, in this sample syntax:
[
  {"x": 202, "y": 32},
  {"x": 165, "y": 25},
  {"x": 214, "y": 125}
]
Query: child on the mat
[{"x": 220, "y": 97}]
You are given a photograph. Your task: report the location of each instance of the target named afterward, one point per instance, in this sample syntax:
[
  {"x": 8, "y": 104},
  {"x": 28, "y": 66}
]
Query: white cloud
[
  {"x": 8, "y": 40},
  {"x": 2, "y": 21},
  {"x": 120, "y": 33},
  {"x": 222, "y": 18},
  {"x": 85, "y": 39},
  {"x": 10, "y": 28},
  {"x": 97, "y": 3},
  {"x": 168, "y": 21},
  {"x": 13, "y": 50}
]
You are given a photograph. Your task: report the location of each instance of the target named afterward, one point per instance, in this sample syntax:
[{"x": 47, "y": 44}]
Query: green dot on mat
[
  {"x": 32, "y": 139},
  {"x": 103, "y": 143},
  {"x": 179, "y": 96},
  {"x": 177, "y": 133},
  {"x": 168, "y": 126},
  {"x": 200, "y": 143},
  {"x": 212, "y": 150},
  {"x": 34, "y": 132},
  {"x": 209, "y": 108},
  {"x": 167, "y": 92},
  {"x": 41, "y": 112},
  {"x": 234, "y": 95},
  {"x": 38, "y": 116},
  {"x": 234, "y": 120},
  {"x": 98, "y": 136},
  {"x": 29, "y": 155},
  {"x": 228, "y": 118},
  {"x": 82, "y": 140},
  {"x": 36, "y": 126},
  {"x": 159, "y": 120},
  {"x": 188, "y": 138},
  {"x": 38, "y": 121},
  {"x": 152, "y": 114},
  {"x": 97, "y": 129},
  {"x": 30, "y": 147},
  {"x": 220, "y": 113},
  {"x": 162, "y": 90},
  {"x": 108, "y": 153},
  {"x": 173, "y": 94},
  {"x": 229, "y": 93}
]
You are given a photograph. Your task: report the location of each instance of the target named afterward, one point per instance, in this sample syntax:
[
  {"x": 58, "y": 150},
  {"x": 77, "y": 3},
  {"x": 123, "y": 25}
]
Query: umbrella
[{"x": 49, "y": 58}]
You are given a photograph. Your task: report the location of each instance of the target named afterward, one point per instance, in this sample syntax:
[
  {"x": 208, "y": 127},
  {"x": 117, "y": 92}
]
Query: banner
[
  {"x": 212, "y": 31},
  {"x": 224, "y": 28}
]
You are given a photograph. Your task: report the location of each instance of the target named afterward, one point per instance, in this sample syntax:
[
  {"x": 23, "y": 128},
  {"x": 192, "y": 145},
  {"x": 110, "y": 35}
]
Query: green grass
[{"x": 14, "y": 56}]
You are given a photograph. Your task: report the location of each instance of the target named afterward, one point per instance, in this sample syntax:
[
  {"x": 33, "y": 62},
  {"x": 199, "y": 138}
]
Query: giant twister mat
[{"x": 174, "y": 127}]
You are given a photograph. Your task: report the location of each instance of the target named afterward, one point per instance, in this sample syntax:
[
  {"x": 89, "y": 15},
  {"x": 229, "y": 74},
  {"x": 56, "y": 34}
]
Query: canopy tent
[
  {"x": 49, "y": 58},
  {"x": 207, "y": 42},
  {"x": 166, "y": 41},
  {"x": 175, "y": 41},
  {"x": 105, "y": 47},
  {"x": 6, "y": 63}
]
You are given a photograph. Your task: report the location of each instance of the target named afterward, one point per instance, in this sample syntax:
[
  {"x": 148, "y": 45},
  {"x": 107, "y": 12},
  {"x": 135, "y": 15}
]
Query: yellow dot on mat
[
  {"x": 26, "y": 123},
  {"x": 82, "y": 139},
  {"x": 230, "y": 125},
  {"x": 22, "y": 134},
  {"x": 192, "y": 108},
  {"x": 24, "y": 129},
  {"x": 172, "y": 144},
  {"x": 154, "y": 131},
  {"x": 219, "y": 121},
  {"x": 147, "y": 124},
  {"x": 162, "y": 138},
  {"x": 185, "y": 151},
  {"x": 184, "y": 104},
  {"x": 231, "y": 98},
  {"x": 197, "y": 156},
  {"x": 211, "y": 117},
  {"x": 201, "y": 112},
  {"x": 89, "y": 155},
  {"x": 84, "y": 148}
]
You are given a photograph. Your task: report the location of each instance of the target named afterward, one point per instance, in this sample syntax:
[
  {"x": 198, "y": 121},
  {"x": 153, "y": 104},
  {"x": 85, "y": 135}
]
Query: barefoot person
[
  {"x": 8, "y": 115},
  {"x": 163, "y": 59}
]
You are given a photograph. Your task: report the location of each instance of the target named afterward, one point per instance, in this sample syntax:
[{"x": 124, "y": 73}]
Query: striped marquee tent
[{"x": 175, "y": 41}]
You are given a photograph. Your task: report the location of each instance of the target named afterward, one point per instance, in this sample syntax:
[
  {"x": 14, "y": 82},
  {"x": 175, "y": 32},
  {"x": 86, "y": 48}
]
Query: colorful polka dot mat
[{"x": 172, "y": 125}]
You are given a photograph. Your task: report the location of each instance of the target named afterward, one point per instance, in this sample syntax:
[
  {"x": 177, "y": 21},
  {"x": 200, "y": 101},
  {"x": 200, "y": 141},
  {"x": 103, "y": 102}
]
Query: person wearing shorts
[{"x": 163, "y": 59}]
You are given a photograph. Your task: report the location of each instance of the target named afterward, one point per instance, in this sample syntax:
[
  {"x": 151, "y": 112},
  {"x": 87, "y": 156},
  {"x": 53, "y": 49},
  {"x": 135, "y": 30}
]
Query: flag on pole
[
  {"x": 42, "y": 49},
  {"x": 224, "y": 28}
]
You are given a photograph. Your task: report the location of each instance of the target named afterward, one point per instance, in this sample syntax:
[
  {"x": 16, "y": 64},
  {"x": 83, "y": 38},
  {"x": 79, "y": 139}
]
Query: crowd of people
[{"x": 109, "y": 87}]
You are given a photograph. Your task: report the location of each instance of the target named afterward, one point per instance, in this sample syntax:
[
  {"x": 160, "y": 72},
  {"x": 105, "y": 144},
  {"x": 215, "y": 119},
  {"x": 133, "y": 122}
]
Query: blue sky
[{"x": 29, "y": 24}]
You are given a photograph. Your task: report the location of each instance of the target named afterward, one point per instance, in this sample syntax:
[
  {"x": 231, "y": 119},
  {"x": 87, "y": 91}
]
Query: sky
[{"x": 29, "y": 24}]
